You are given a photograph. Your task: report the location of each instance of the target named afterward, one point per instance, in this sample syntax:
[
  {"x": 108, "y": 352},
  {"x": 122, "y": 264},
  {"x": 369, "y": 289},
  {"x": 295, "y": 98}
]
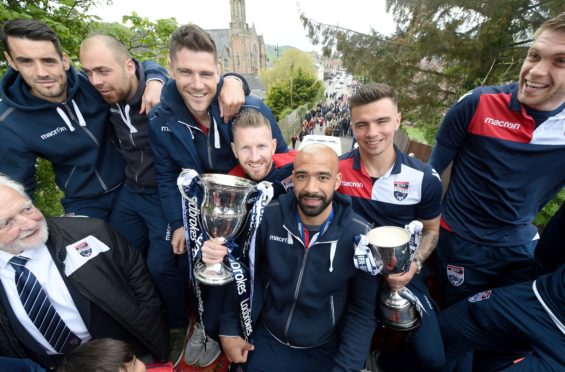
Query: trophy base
[
  {"x": 218, "y": 274},
  {"x": 403, "y": 316}
]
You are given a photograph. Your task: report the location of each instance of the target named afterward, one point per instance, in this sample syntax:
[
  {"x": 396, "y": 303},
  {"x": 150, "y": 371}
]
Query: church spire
[{"x": 237, "y": 8}]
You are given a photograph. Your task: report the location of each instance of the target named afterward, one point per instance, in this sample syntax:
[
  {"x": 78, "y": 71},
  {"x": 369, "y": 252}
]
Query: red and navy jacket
[
  {"x": 508, "y": 162},
  {"x": 409, "y": 190}
]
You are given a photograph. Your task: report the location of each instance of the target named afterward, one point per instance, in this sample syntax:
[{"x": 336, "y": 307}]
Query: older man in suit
[{"x": 68, "y": 280}]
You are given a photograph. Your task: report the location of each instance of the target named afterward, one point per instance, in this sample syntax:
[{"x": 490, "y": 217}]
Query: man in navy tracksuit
[
  {"x": 389, "y": 188},
  {"x": 527, "y": 317},
  {"x": 187, "y": 131},
  {"x": 49, "y": 110},
  {"x": 311, "y": 310},
  {"x": 138, "y": 214},
  {"x": 507, "y": 144}
]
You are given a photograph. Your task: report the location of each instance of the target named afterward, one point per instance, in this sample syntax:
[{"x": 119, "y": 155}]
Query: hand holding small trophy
[{"x": 392, "y": 244}]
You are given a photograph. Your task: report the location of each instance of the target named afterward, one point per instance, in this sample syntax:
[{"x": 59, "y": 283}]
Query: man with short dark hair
[
  {"x": 67, "y": 280},
  {"x": 187, "y": 131},
  {"x": 390, "y": 188},
  {"x": 50, "y": 110}
]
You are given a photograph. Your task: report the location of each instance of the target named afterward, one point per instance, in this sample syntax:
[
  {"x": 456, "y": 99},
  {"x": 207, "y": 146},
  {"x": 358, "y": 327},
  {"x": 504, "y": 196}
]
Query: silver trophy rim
[
  {"x": 376, "y": 230},
  {"x": 227, "y": 180}
]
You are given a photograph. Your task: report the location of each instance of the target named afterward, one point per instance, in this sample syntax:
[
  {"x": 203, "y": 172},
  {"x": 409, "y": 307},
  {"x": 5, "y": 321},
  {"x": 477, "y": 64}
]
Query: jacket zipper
[
  {"x": 70, "y": 175},
  {"x": 333, "y": 309},
  {"x": 74, "y": 118},
  {"x": 297, "y": 290}
]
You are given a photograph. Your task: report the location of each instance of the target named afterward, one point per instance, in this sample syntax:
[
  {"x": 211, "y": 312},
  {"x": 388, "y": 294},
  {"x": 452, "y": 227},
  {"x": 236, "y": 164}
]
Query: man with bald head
[
  {"x": 138, "y": 214},
  {"x": 312, "y": 310}
]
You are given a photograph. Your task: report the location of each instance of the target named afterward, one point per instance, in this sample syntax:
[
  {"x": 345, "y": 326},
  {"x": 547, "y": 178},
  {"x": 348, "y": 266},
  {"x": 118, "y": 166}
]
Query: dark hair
[
  {"x": 100, "y": 355},
  {"x": 29, "y": 29},
  {"x": 193, "y": 38},
  {"x": 250, "y": 118},
  {"x": 371, "y": 93},
  {"x": 556, "y": 23}
]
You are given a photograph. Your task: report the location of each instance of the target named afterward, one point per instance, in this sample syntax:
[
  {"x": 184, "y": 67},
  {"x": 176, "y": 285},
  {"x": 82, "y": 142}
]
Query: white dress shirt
[{"x": 42, "y": 266}]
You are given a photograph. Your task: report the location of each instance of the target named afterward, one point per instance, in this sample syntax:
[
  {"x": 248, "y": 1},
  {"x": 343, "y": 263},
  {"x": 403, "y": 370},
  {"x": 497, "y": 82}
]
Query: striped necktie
[{"x": 40, "y": 310}]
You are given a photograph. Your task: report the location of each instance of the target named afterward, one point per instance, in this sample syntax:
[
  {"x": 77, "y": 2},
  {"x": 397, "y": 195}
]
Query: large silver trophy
[
  {"x": 222, "y": 213},
  {"x": 392, "y": 244}
]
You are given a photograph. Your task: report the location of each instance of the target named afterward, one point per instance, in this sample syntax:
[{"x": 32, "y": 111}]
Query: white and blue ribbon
[{"x": 364, "y": 258}]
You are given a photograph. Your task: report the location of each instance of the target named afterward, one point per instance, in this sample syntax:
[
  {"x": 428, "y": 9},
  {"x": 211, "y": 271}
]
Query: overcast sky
[{"x": 277, "y": 20}]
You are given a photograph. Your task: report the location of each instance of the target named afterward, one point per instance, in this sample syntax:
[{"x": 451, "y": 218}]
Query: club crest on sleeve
[
  {"x": 456, "y": 275},
  {"x": 287, "y": 183},
  {"x": 83, "y": 249},
  {"x": 480, "y": 296},
  {"x": 401, "y": 190}
]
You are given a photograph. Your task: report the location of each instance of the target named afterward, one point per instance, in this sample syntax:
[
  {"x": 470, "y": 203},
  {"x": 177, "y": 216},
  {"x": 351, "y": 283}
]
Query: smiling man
[
  {"x": 50, "y": 110},
  {"x": 67, "y": 280},
  {"x": 390, "y": 188},
  {"x": 313, "y": 311},
  {"x": 187, "y": 131},
  {"x": 507, "y": 145},
  {"x": 254, "y": 147}
]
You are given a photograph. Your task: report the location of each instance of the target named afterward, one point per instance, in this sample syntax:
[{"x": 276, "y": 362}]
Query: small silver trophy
[
  {"x": 222, "y": 213},
  {"x": 393, "y": 246}
]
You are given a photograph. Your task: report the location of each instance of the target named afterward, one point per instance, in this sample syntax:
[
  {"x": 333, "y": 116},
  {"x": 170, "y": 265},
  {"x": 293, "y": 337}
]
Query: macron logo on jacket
[
  {"x": 502, "y": 123},
  {"x": 53, "y": 132},
  {"x": 279, "y": 239}
]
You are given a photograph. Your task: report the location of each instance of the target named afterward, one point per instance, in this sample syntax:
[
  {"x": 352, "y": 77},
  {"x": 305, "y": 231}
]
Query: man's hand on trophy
[
  {"x": 236, "y": 348},
  {"x": 399, "y": 281},
  {"x": 213, "y": 251},
  {"x": 177, "y": 241}
]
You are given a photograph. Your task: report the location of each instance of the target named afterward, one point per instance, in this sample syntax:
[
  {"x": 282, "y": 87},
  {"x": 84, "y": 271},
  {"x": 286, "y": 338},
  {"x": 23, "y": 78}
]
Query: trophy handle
[{"x": 184, "y": 179}]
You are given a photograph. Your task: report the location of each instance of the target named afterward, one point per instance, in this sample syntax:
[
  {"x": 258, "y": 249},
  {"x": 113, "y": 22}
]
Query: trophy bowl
[
  {"x": 391, "y": 243},
  {"x": 222, "y": 213}
]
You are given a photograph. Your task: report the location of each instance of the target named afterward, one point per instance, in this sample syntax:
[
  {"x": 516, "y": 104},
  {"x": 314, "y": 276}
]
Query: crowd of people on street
[
  {"x": 331, "y": 118},
  {"x": 110, "y": 285}
]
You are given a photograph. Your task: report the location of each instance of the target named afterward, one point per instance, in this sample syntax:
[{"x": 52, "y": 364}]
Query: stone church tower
[{"x": 240, "y": 49}]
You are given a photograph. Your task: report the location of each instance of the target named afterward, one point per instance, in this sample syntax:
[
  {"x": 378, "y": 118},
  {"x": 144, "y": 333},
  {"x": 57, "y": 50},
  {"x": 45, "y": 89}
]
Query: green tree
[
  {"x": 297, "y": 90},
  {"x": 290, "y": 61},
  {"x": 441, "y": 49}
]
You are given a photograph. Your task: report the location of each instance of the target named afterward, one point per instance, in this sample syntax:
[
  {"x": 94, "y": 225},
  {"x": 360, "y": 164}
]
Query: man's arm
[
  {"x": 232, "y": 91},
  {"x": 452, "y": 134},
  {"x": 155, "y": 77},
  {"x": 167, "y": 172}
]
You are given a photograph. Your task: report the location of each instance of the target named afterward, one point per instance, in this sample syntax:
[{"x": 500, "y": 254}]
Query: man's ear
[
  {"x": 338, "y": 181},
  {"x": 66, "y": 62},
  {"x": 233, "y": 149},
  {"x": 171, "y": 68},
  {"x": 10, "y": 61},
  {"x": 398, "y": 120},
  {"x": 274, "y": 146},
  {"x": 130, "y": 67}
]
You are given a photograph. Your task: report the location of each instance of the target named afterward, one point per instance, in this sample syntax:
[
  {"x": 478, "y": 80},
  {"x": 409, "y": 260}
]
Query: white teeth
[
  {"x": 197, "y": 95},
  {"x": 535, "y": 85}
]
